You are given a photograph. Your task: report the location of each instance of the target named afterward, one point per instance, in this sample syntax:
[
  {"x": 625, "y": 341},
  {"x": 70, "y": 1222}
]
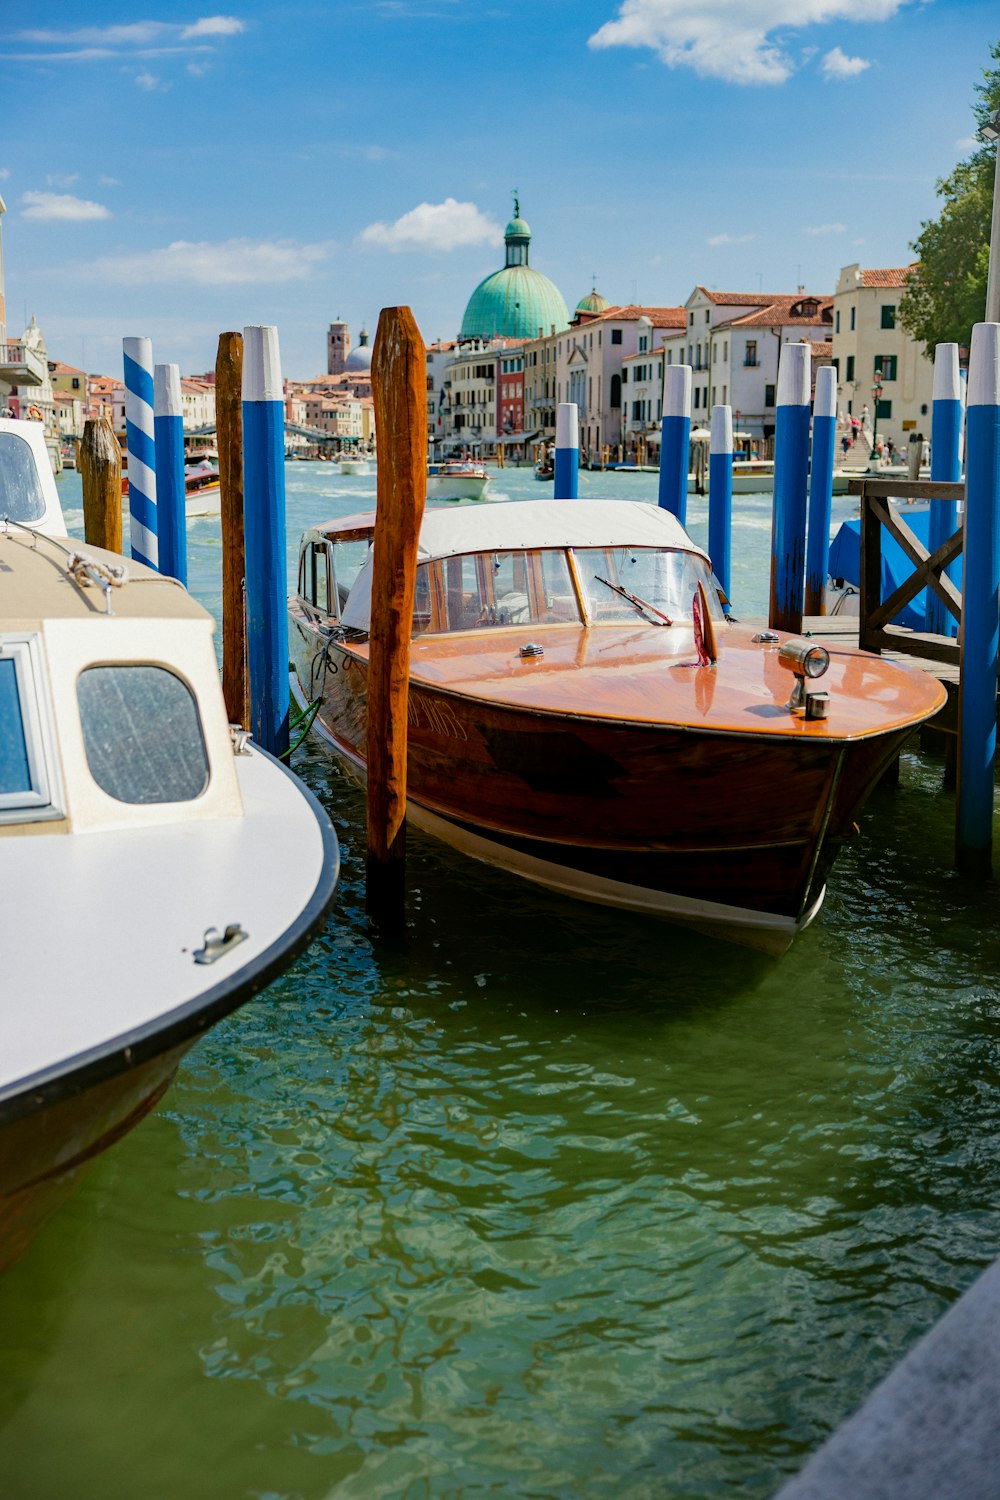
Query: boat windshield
[
  {"x": 21, "y": 496},
  {"x": 490, "y": 590},
  {"x": 663, "y": 578}
]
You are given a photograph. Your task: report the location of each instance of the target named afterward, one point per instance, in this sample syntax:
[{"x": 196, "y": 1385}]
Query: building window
[
  {"x": 691, "y": 320},
  {"x": 883, "y": 408},
  {"x": 616, "y": 335},
  {"x": 889, "y": 316},
  {"x": 616, "y": 392},
  {"x": 769, "y": 395},
  {"x": 750, "y": 357},
  {"x": 707, "y": 314},
  {"x": 853, "y": 312},
  {"x": 836, "y": 321},
  {"x": 642, "y": 344},
  {"x": 849, "y": 371},
  {"x": 886, "y": 365}
]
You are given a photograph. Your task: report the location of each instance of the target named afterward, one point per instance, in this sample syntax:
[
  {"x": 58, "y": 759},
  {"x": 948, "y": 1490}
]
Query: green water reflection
[{"x": 538, "y": 1201}]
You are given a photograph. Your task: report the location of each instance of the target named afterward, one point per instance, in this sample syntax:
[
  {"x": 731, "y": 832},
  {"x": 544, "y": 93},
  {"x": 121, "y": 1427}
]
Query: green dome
[
  {"x": 515, "y": 301},
  {"x": 593, "y": 302}
]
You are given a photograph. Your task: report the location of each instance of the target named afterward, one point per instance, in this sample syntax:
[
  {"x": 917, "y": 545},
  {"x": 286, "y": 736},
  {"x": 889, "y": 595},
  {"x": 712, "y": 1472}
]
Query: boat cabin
[{"x": 27, "y": 484}]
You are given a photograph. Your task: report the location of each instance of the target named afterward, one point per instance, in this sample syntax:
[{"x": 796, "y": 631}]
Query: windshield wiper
[{"x": 648, "y": 609}]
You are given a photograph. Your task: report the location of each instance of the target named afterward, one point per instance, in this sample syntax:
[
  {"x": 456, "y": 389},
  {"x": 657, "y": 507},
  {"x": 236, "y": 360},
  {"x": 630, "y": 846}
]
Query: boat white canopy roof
[{"x": 510, "y": 525}]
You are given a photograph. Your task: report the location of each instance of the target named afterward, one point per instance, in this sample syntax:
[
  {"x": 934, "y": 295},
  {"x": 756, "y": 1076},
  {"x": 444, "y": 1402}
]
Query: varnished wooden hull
[{"x": 733, "y": 833}]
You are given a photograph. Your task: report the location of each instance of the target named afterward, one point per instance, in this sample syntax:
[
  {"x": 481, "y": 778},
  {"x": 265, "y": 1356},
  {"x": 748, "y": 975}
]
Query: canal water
[{"x": 539, "y": 1200}]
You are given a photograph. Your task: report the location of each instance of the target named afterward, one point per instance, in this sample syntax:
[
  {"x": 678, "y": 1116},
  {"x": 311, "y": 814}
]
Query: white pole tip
[
  {"x": 794, "y": 370},
  {"x": 677, "y": 391},
  {"x": 947, "y": 381},
  {"x": 984, "y": 365},
  {"x": 167, "y": 391},
  {"x": 567, "y": 425},
  {"x": 825, "y": 402},
  {"x": 261, "y": 364},
  {"x": 721, "y": 440}
]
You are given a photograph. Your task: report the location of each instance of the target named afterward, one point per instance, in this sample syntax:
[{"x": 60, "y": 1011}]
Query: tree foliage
[{"x": 947, "y": 292}]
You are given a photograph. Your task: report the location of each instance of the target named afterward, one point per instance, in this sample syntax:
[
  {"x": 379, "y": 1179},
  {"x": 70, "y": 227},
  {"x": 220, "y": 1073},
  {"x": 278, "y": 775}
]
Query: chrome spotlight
[{"x": 805, "y": 659}]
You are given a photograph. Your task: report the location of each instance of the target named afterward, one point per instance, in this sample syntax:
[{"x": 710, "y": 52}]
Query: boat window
[
  {"x": 142, "y": 734},
  {"x": 348, "y": 558},
  {"x": 21, "y": 496},
  {"x": 662, "y": 577},
  {"x": 483, "y": 590},
  {"x": 26, "y": 786},
  {"x": 320, "y": 581}
]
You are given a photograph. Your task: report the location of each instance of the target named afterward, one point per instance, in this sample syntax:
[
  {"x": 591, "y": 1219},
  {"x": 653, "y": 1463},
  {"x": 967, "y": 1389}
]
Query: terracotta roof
[
  {"x": 57, "y": 367},
  {"x": 740, "y": 299},
  {"x": 780, "y": 312},
  {"x": 660, "y": 317},
  {"x": 896, "y": 276}
]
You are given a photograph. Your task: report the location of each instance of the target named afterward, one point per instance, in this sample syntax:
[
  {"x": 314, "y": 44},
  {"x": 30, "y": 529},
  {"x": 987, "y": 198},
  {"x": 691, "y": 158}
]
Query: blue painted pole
[
  {"x": 720, "y": 493},
  {"x": 980, "y": 606},
  {"x": 824, "y": 443},
  {"x": 791, "y": 477},
  {"x": 264, "y": 537},
  {"x": 566, "y": 478},
  {"x": 675, "y": 441},
  {"x": 140, "y": 449},
  {"x": 168, "y": 425},
  {"x": 946, "y": 464}
]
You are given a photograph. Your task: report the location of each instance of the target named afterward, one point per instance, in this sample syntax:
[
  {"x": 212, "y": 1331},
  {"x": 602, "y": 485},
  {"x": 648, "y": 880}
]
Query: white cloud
[
  {"x": 968, "y": 143},
  {"x": 4, "y": 173},
  {"x": 199, "y": 69},
  {"x": 434, "y": 226},
  {"x": 837, "y": 64},
  {"x": 367, "y": 153},
  {"x": 824, "y": 229},
  {"x": 110, "y": 181},
  {"x": 219, "y": 263},
  {"x": 214, "y": 26},
  {"x": 147, "y": 81},
  {"x": 54, "y": 180},
  {"x": 729, "y": 239},
  {"x": 736, "y": 40},
  {"x": 61, "y": 206}
]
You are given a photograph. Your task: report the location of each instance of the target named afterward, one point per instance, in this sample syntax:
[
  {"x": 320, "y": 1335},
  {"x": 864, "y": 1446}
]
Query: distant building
[
  {"x": 868, "y": 338},
  {"x": 338, "y": 347},
  {"x": 515, "y": 302}
]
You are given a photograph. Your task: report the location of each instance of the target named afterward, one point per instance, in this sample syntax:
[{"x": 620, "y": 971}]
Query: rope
[{"x": 309, "y": 713}]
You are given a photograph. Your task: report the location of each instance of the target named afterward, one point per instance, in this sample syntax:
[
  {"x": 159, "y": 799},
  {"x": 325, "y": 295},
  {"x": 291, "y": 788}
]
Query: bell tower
[{"x": 338, "y": 347}]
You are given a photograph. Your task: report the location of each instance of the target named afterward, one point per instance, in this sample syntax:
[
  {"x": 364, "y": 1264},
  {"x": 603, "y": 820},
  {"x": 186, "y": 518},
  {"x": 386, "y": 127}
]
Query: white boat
[
  {"x": 158, "y": 870},
  {"x": 453, "y": 479},
  {"x": 354, "y": 465}
]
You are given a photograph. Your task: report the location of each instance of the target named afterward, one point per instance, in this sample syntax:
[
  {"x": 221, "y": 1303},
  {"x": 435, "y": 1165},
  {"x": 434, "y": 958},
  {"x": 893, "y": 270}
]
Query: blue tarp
[{"x": 845, "y": 562}]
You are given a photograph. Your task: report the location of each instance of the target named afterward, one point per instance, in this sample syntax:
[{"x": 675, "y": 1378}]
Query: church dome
[
  {"x": 593, "y": 302},
  {"x": 360, "y": 358},
  {"x": 514, "y": 302}
]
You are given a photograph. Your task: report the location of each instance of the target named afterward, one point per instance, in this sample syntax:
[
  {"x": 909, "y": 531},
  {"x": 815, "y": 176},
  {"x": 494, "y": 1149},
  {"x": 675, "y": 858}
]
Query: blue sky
[{"x": 180, "y": 172}]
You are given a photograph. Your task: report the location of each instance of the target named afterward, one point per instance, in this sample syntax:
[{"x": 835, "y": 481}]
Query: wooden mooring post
[
  {"x": 100, "y": 462},
  {"x": 399, "y": 388},
  {"x": 229, "y": 441}
]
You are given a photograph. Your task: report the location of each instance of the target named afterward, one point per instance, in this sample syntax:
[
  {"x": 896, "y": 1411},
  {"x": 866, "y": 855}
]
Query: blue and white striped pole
[
  {"x": 168, "y": 424},
  {"x": 946, "y": 464},
  {"x": 720, "y": 493},
  {"x": 140, "y": 449},
  {"x": 264, "y": 537},
  {"x": 824, "y": 444},
  {"x": 980, "y": 605},
  {"x": 791, "y": 478},
  {"x": 675, "y": 441},
  {"x": 566, "y": 476}
]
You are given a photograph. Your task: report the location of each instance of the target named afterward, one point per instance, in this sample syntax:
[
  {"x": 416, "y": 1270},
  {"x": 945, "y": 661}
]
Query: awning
[{"x": 516, "y": 437}]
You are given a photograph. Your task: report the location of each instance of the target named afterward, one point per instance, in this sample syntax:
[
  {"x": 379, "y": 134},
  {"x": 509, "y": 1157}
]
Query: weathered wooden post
[
  {"x": 824, "y": 440},
  {"x": 168, "y": 426},
  {"x": 791, "y": 477},
  {"x": 101, "y": 475},
  {"x": 140, "y": 445},
  {"x": 566, "y": 474},
  {"x": 946, "y": 463},
  {"x": 229, "y": 441},
  {"x": 264, "y": 508},
  {"x": 720, "y": 493},
  {"x": 399, "y": 388},
  {"x": 675, "y": 441},
  {"x": 980, "y": 606}
]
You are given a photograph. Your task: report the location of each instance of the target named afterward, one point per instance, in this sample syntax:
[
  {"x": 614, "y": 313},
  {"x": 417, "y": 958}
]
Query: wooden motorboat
[
  {"x": 455, "y": 479},
  {"x": 564, "y": 724},
  {"x": 158, "y": 870}
]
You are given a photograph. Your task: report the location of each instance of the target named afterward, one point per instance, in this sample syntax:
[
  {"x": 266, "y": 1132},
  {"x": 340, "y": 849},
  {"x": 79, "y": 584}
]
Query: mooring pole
[
  {"x": 566, "y": 475},
  {"x": 675, "y": 441},
  {"x": 946, "y": 464},
  {"x": 101, "y": 476},
  {"x": 720, "y": 493},
  {"x": 791, "y": 478},
  {"x": 168, "y": 425},
  {"x": 980, "y": 606},
  {"x": 140, "y": 445},
  {"x": 824, "y": 441},
  {"x": 267, "y": 584},
  {"x": 229, "y": 441},
  {"x": 399, "y": 388}
]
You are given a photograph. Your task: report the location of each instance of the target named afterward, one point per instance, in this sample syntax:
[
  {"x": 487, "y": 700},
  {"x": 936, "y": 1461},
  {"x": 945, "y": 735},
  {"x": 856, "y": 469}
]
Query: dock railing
[{"x": 875, "y": 633}]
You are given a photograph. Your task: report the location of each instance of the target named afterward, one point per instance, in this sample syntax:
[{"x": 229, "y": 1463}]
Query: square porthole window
[
  {"x": 28, "y": 778},
  {"x": 142, "y": 734}
]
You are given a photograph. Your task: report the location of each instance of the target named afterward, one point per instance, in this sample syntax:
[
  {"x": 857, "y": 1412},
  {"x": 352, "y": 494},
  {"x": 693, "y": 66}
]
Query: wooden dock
[{"x": 844, "y": 630}]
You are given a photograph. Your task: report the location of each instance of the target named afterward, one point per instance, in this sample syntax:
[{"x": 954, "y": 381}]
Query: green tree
[{"x": 947, "y": 291}]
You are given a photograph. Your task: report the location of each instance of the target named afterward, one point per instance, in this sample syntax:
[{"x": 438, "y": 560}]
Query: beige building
[{"x": 868, "y": 338}]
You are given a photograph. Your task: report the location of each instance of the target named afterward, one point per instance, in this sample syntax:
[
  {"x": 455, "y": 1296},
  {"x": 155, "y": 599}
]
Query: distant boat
[
  {"x": 353, "y": 465},
  {"x": 159, "y": 869},
  {"x": 456, "y": 479},
  {"x": 545, "y": 470}
]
